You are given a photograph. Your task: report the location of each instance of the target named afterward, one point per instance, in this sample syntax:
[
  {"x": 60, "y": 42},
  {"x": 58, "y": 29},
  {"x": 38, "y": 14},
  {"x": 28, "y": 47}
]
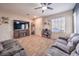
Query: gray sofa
[
  {"x": 65, "y": 46},
  {"x": 11, "y": 48}
]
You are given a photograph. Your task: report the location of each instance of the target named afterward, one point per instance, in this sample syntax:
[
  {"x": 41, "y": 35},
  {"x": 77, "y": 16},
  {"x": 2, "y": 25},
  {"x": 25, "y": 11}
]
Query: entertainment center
[{"x": 21, "y": 28}]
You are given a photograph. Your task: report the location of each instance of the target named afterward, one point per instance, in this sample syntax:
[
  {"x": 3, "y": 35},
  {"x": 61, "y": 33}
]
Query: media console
[{"x": 21, "y": 29}]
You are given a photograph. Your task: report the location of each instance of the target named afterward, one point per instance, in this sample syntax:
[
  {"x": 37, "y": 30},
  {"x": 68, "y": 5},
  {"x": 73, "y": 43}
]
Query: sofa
[
  {"x": 68, "y": 46},
  {"x": 11, "y": 48}
]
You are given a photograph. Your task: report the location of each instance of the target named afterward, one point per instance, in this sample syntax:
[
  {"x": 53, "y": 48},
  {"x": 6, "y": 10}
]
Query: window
[{"x": 58, "y": 24}]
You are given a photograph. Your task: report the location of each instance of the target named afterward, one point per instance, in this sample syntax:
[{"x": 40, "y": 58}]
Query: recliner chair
[{"x": 64, "y": 46}]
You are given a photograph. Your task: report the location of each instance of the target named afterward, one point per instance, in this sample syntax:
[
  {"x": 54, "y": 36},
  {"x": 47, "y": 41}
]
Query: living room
[{"x": 36, "y": 27}]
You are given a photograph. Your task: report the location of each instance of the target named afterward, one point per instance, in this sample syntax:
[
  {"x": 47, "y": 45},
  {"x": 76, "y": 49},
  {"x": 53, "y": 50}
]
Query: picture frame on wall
[{"x": 5, "y": 20}]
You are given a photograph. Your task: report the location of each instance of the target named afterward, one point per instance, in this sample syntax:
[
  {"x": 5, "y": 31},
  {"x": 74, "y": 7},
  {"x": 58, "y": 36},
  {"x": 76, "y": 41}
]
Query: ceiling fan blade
[
  {"x": 42, "y": 11},
  {"x": 49, "y": 3},
  {"x": 44, "y": 3},
  {"x": 50, "y": 8},
  {"x": 38, "y": 8}
]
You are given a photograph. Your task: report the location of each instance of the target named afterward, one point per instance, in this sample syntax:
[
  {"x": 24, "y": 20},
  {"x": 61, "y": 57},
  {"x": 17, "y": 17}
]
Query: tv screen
[{"x": 19, "y": 25}]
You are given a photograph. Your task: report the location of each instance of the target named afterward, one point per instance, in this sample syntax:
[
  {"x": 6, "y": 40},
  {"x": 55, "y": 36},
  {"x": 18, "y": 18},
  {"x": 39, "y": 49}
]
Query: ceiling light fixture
[{"x": 44, "y": 8}]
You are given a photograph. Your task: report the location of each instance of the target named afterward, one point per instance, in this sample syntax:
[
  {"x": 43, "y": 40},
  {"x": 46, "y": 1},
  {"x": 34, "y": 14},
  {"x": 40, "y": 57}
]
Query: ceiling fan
[{"x": 44, "y": 6}]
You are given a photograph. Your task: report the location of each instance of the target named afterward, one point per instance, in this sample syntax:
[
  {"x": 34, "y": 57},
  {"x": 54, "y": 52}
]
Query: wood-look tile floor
[{"x": 35, "y": 45}]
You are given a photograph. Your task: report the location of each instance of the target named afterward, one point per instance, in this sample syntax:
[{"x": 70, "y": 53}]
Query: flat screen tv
[{"x": 20, "y": 25}]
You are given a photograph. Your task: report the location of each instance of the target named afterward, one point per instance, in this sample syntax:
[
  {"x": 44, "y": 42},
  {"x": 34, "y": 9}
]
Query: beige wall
[
  {"x": 68, "y": 27},
  {"x": 38, "y": 26},
  {"x": 6, "y": 30}
]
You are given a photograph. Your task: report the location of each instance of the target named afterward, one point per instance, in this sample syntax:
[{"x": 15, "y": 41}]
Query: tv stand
[{"x": 21, "y": 33}]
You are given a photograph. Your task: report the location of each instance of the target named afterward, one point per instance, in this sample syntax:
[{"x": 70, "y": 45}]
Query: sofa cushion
[
  {"x": 10, "y": 52},
  {"x": 21, "y": 53},
  {"x": 62, "y": 41},
  {"x": 64, "y": 38},
  {"x": 11, "y": 47},
  {"x": 8, "y": 44},
  {"x": 70, "y": 46},
  {"x": 62, "y": 46},
  {"x": 74, "y": 53},
  {"x": 72, "y": 35},
  {"x": 56, "y": 52},
  {"x": 73, "y": 42}
]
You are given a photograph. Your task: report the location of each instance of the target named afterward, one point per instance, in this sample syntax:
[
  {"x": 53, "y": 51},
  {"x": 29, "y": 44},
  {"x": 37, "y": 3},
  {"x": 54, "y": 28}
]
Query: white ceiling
[{"x": 28, "y": 8}]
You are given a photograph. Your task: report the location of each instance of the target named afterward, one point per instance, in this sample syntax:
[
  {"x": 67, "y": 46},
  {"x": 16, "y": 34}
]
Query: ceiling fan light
[{"x": 44, "y": 8}]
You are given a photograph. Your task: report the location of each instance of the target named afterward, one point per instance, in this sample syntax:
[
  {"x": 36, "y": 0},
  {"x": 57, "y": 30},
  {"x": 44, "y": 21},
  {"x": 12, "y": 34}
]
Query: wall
[
  {"x": 38, "y": 26},
  {"x": 68, "y": 27},
  {"x": 6, "y": 30}
]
